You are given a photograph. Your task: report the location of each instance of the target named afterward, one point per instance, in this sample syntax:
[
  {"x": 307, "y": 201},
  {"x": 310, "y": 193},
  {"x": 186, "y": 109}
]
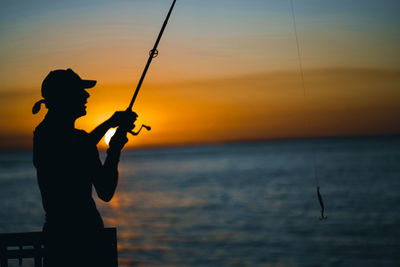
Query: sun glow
[{"x": 109, "y": 134}]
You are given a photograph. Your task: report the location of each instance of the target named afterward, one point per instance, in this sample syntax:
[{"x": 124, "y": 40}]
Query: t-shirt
[{"x": 67, "y": 162}]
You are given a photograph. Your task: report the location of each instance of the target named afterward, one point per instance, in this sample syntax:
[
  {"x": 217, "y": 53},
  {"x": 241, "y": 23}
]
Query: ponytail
[{"x": 36, "y": 107}]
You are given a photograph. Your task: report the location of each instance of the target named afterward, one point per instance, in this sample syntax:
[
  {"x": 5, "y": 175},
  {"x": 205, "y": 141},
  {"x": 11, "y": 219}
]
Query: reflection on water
[{"x": 241, "y": 205}]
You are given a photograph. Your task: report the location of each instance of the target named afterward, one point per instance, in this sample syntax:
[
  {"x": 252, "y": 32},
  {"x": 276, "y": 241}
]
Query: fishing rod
[{"x": 152, "y": 54}]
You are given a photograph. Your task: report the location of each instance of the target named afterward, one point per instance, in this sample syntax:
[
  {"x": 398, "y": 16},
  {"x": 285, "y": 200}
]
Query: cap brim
[{"x": 88, "y": 83}]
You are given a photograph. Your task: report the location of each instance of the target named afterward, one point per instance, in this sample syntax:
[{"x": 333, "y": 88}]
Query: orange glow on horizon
[{"x": 251, "y": 107}]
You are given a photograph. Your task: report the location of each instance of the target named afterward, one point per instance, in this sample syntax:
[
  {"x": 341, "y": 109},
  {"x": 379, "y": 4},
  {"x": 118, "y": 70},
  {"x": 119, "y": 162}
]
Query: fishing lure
[{"x": 321, "y": 203}]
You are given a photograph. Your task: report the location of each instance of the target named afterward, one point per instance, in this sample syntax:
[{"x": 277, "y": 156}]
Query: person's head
[{"x": 64, "y": 93}]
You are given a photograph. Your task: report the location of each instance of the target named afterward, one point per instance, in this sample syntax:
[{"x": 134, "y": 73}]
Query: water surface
[{"x": 240, "y": 205}]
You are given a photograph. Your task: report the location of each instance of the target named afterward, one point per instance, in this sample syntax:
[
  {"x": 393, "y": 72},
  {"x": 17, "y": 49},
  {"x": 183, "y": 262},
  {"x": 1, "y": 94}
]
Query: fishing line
[{"x": 308, "y": 122}]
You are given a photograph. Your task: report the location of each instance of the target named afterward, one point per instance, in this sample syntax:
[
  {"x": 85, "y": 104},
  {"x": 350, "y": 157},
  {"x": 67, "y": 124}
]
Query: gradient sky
[{"x": 227, "y": 70}]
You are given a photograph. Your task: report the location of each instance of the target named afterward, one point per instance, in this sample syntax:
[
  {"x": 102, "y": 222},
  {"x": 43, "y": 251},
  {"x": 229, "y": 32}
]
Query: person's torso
[{"x": 65, "y": 161}]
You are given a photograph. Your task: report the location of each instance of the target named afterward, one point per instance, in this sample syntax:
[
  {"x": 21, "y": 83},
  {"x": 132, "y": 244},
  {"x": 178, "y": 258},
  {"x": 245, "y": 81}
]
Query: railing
[{"x": 31, "y": 245}]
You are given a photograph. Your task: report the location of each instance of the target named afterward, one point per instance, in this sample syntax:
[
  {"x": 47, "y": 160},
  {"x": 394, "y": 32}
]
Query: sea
[{"x": 245, "y": 204}]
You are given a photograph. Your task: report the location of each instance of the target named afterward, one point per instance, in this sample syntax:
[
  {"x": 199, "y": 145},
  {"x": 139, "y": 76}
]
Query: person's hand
[
  {"x": 124, "y": 118},
  {"x": 118, "y": 141}
]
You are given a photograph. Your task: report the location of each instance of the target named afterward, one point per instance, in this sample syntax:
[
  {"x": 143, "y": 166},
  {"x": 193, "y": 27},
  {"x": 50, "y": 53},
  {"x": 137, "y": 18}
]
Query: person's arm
[
  {"x": 116, "y": 119},
  {"x": 106, "y": 178},
  {"x": 100, "y": 131}
]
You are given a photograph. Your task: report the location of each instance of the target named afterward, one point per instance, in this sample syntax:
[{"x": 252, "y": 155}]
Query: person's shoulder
[
  {"x": 44, "y": 137},
  {"x": 42, "y": 129}
]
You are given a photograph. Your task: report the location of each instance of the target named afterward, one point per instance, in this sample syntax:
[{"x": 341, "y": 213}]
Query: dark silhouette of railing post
[{"x": 31, "y": 245}]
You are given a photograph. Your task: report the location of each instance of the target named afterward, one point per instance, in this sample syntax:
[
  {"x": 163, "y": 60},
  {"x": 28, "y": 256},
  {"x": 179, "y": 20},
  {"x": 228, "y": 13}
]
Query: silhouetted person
[{"x": 68, "y": 165}]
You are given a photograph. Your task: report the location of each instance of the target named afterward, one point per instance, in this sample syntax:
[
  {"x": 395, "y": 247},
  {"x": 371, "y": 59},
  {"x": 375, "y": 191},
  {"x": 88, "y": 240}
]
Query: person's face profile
[
  {"x": 74, "y": 103},
  {"x": 78, "y": 102}
]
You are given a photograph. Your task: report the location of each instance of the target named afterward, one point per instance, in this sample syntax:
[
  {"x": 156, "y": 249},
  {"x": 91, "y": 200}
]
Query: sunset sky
[{"x": 228, "y": 70}]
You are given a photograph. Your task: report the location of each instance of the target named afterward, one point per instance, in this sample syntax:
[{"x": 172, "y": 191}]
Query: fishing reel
[
  {"x": 148, "y": 128},
  {"x": 123, "y": 130}
]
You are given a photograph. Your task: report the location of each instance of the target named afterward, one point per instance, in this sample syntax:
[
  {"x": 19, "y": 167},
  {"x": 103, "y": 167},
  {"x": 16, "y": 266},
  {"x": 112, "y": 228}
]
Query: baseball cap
[
  {"x": 59, "y": 83},
  {"x": 62, "y": 82}
]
